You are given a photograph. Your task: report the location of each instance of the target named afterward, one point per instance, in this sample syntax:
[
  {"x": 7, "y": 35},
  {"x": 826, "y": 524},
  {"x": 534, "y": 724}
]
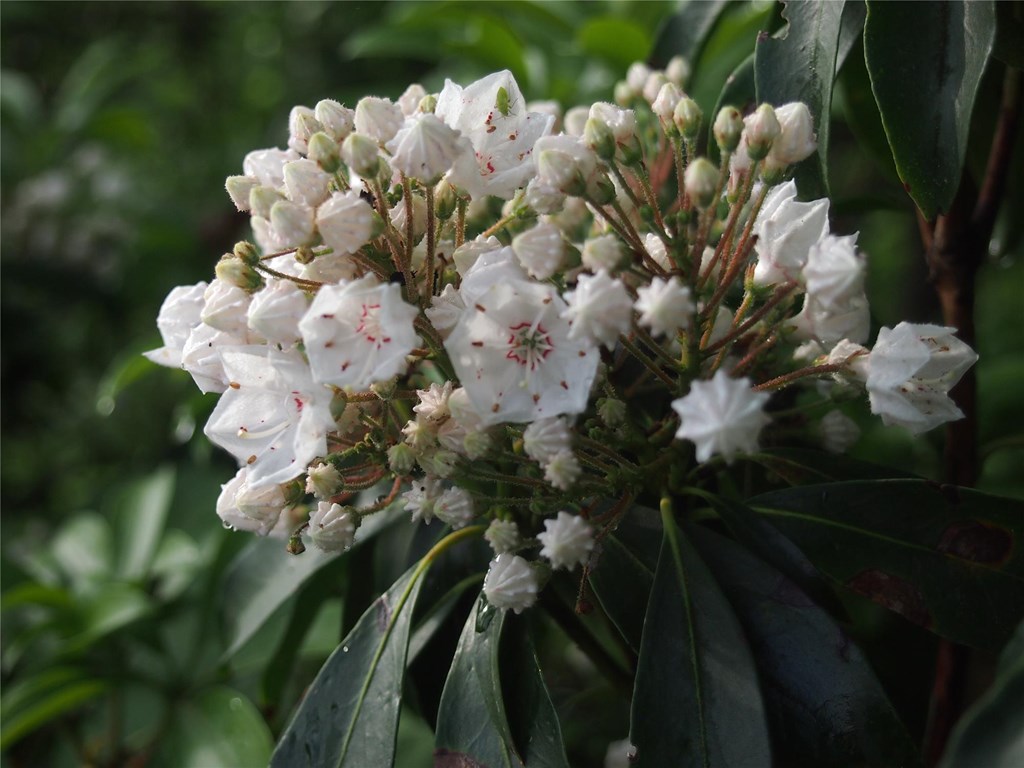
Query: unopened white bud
[
  {"x": 380, "y": 119},
  {"x": 728, "y": 128},
  {"x": 599, "y": 137},
  {"x": 796, "y": 140},
  {"x": 665, "y": 105},
  {"x": 603, "y": 252},
  {"x": 839, "y": 432},
  {"x": 332, "y": 527},
  {"x": 236, "y": 272},
  {"x": 688, "y": 117},
  {"x": 301, "y": 125},
  {"x": 337, "y": 121},
  {"x": 700, "y": 182},
  {"x": 323, "y": 150},
  {"x": 568, "y": 541},
  {"x": 761, "y": 130},
  {"x": 323, "y": 481},
  {"x": 239, "y": 188},
  {"x": 652, "y": 87},
  {"x": 401, "y": 458},
  {"x": 511, "y": 582},
  {"x": 292, "y": 223},
  {"x": 305, "y": 183},
  {"x": 262, "y": 199},
  {"x": 360, "y": 154},
  {"x": 502, "y": 535},
  {"x": 678, "y": 71}
]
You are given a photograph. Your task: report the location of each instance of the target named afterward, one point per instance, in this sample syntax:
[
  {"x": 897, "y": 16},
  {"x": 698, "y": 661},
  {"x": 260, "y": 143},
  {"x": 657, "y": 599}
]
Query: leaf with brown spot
[{"x": 947, "y": 558}]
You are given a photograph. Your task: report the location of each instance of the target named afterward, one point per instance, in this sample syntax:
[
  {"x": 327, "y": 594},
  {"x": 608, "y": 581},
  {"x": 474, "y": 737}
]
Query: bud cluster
[{"x": 484, "y": 310}]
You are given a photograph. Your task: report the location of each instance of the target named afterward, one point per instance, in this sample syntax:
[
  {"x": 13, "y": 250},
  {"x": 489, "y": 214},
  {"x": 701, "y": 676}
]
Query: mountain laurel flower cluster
[{"x": 517, "y": 321}]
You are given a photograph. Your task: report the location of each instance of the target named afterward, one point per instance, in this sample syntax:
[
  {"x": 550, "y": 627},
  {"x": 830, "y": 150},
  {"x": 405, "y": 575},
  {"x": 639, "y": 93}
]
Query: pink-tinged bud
[
  {"x": 360, "y": 154},
  {"x": 796, "y": 140},
  {"x": 762, "y": 128},
  {"x": 688, "y": 117},
  {"x": 700, "y": 182},
  {"x": 728, "y": 128},
  {"x": 337, "y": 121}
]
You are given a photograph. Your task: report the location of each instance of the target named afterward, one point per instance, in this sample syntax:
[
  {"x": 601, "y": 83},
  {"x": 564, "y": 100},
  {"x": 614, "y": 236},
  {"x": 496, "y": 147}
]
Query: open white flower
[
  {"x": 492, "y": 113},
  {"x": 723, "y": 416},
  {"x": 513, "y": 355},
  {"x": 835, "y": 270},
  {"x": 911, "y": 369},
  {"x": 357, "y": 333},
  {"x": 179, "y": 314},
  {"x": 273, "y": 417}
]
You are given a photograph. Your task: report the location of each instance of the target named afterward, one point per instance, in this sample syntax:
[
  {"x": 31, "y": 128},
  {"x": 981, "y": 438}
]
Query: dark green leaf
[
  {"x": 1009, "y": 42},
  {"x": 141, "y": 515},
  {"x": 725, "y": 49},
  {"x": 480, "y": 720},
  {"x": 862, "y": 117},
  {"x": 925, "y": 61},
  {"x": 946, "y": 558},
  {"x": 799, "y": 65},
  {"x": 349, "y": 716},
  {"x": 696, "y": 700},
  {"x": 623, "y": 573},
  {"x": 112, "y": 608},
  {"x": 219, "y": 727},
  {"x": 991, "y": 733},
  {"x": 35, "y": 701},
  {"x": 685, "y": 33},
  {"x": 825, "y": 705},
  {"x": 805, "y": 466},
  {"x": 851, "y": 27}
]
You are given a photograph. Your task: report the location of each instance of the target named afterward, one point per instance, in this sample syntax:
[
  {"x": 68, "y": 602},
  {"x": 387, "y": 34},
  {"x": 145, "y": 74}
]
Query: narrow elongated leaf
[
  {"x": 799, "y": 64},
  {"x": 850, "y": 30},
  {"x": 991, "y": 733},
  {"x": 495, "y": 710},
  {"x": 696, "y": 700},
  {"x": 824, "y": 703},
  {"x": 946, "y": 558},
  {"x": 685, "y": 32},
  {"x": 925, "y": 61},
  {"x": 140, "y": 523},
  {"x": 33, "y": 701},
  {"x": 349, "y": 716}
]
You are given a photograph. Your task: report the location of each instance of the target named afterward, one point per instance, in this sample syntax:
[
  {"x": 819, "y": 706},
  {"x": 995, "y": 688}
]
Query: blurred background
[{"x": 119, "y": 123}]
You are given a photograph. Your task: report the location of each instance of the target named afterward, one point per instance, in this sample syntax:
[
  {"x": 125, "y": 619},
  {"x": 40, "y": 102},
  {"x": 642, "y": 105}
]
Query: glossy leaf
[
  {"x": 925, "y": 61},
  {"x": 946, "y": 558},
  {"x": 495, "y": 709},
  {"x": 142, "y": 514},
  {"x": 824, "y": 703},
  {"x": 218, "y": 727},
  {"x": 684, "y": 33},
  {"x": 799, "y": 64},
  {"x": 349, "y": 716},
  {"x": 806, "y": 466},
  {"x": 851, "y": 28},
  {"x": 990, "y": 732},
  {"x": 696, "y": 699}
]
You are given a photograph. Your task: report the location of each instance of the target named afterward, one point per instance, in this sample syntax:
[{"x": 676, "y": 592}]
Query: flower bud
[
  {"x": 233, "y": 270},
  {"x": 324, "y": 480},
  {"x": 401, "y": 459},
  {"x": 445, "y": 200},
  {"x": 652, "y": 86},
  {"x": 247, "y": 253},
  {"x": 796, "y": 140},
  {"x": 728, "y": 128},
  {"x": 337, "y": 121},
  {"x": 360, "y": 154},
  {"x": 301, "y": 125},
  {"x": 678, "y": 71},
  {"x": 323, "y": 150},
  {"x": 688, "y": 118},
  {"x": 305, "y": 183},
  {"x": 428, "y": 103},
  {"x": 761, "y": 129},
  {"x": 622, "y": 94},
  {"x": 664, "y": 106},
  {"x": 262, "y": 199},
  {"x": 378, "y": 118},
  {"x": 293, "y": 223},
  {"x": 575, "y": 120},
  {"x": 612, "y": 412},
  {"x": 411, "y": 99},
  {"x": 332, "y": 527},
  {"x": 239, "y": 188},
  {"x": 599, "y": 137},
  {"x": 561, "y": 169},
  {"x": 636, "y": 77},
  {"x": 603, "y": 252},
  {"x": 700, "y": 182},
  {"x": 602, "y": 189}
]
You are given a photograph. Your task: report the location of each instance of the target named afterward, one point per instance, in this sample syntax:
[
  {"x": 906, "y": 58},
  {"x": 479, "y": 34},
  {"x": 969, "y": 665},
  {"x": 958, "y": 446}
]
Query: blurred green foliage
[{"x": 118, "y": 125}]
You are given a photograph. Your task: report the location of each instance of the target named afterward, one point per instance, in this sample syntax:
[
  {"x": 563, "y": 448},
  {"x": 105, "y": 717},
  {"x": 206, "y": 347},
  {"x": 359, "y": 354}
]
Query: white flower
[
  {"x": 540, "y": 250},
  {"x": 243, "y": 508},
  {"x": 267, "y": 166},
  {"x": 445, "y": 310},
  {"x": 332, "y": 527},
  {"x": 239, "y": 188},
  {"x": 337, "y": 120},
  {"x": 786, "y": 229},
  {"x": 378, "y": 118},
  {"x": 565, "y": 163},
  {"x": 410, "y": 99},
  {"x": 275, "y": 311},
  {"x": 665, "y": 105},
  {"x": 543, "y": 197},
  {"x": 466, "y": 255},
  {"x": 599, "y": 309},
  {"x": 419, "y": 216},
  {"x": 455, "y": 507},
  {"x": 576, "y": 120},
  {"x": 910, "y": 372},
  {"x": 273, "y": 417},
  {"x": 346, "y": 222},
  {"x": 513, "y": 354},
  {"x": 829, "y": 324},
  {"x": 835, "y": 270},
  {"x": 652, "y": 86},
  {"x": 225, "y": 307},
  {"x": 678, "y": 70},
  {"x": 838, "y": 432},
  {"x": 425, "y": 148},
  {"x": 796, "y": 140},
  {"x": 511, "y": 582},
  {"x": 655, "y": 247},
  {"x": 492, "y": 113},
  {"x": 330, "y": 268},
  {"x": 562, "y": 470},
  {"x": 201, "y": 356},
  {"x": 546, "y": 437},
  {"x": 568, "y": 541},
  {"x": 305, "y": 183},
  {"x": 433, "y": 404},
  {"x": 302, "y": 124},
  {"x": 293, "y": 224},
  {"x": 420, "y": 499},
  {"x": 723, "y": 416},
  {"x": 502, "y": 535},
  {"x": 636, "y": 77},
  {"x": 664, "y": 306},
  {"x": 603, "y": 252},
  {"x": 464, "y": 432},
  {"x": 358, "y": 333},
  {"x": 179, "y": 314},
  {"x": 622, "y": 122}
]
